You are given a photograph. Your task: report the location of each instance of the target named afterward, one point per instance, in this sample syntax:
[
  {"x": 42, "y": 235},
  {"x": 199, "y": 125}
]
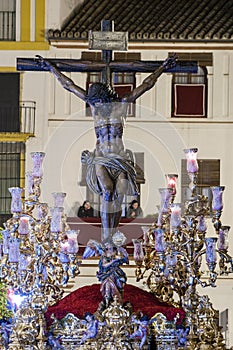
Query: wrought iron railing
[
  {"x": 18, "y": 118},
  {"x": 7, "y": 25},
  {"x": 27, "y": 117}
]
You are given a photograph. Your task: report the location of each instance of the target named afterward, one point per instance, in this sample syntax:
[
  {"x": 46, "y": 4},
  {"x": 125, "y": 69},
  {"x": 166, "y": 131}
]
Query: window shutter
[{"x": 189, "y": 100}]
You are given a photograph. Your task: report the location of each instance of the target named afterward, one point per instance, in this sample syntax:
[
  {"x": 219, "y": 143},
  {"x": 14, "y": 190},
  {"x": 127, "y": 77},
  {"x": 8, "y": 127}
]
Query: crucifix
[
  {"x": 107, "y": 41},
  {"x": 110, "y": 168}
]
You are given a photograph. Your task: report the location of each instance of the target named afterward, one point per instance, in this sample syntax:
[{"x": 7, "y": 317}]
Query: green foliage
[{"x": 4, "y": 312}]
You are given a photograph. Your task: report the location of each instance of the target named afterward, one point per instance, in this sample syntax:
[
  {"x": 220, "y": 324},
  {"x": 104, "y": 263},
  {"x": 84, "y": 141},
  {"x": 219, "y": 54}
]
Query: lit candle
[
  {"x": 23, "y": 225},
  {"x": 192, "y": 164},
  {"x": 171, "y": 182},
  {"x": 175, "y": 215}
]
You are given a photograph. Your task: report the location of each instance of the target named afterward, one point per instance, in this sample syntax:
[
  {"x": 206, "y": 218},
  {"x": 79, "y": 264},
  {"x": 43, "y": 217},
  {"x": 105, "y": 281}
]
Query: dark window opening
[
  {"x": 12, "y": 166},
  {"x": 9, "y": 102}
]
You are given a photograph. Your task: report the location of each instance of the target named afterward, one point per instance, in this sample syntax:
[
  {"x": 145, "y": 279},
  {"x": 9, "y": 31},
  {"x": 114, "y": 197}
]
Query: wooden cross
[{"x": 106, "y": 41}]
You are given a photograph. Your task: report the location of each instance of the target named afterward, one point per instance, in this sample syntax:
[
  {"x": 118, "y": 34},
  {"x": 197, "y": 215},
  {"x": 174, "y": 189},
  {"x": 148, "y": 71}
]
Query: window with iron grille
[
  {"x": 208, "y": 176},
  {"x": 12, "y": 167},
  {"x": 7, "y": 20}
]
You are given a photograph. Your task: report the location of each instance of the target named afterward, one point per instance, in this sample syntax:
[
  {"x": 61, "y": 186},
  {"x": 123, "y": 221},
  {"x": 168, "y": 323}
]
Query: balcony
[{"x": 18, "y": 119}]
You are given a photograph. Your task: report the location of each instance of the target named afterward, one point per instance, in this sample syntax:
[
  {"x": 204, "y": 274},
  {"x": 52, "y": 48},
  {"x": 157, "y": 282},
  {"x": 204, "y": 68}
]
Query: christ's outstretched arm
[
  {"x": 66, "y": 82},
  {"x": 150, "y": 81}
]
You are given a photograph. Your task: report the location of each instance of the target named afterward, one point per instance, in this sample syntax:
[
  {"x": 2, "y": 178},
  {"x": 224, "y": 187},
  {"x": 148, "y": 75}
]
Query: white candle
[
  {"x": 192, "y": 164},
  {"x": 23, "y": 225},
  {"x": 171, "y": 182}
]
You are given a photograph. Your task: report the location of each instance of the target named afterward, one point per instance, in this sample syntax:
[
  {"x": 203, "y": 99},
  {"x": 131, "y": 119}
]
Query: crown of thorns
[{"x": 100, "y": 91}]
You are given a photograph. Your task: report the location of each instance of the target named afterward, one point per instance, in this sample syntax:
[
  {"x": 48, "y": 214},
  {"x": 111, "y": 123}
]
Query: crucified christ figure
[{"x": 110, "y": 171}]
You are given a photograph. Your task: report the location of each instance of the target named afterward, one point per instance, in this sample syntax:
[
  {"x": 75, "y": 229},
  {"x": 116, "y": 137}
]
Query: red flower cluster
[{"x": 87, "y": 299}]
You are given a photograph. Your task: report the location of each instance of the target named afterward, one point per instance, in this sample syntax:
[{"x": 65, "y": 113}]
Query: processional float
[{"x": 40, "y": 258}]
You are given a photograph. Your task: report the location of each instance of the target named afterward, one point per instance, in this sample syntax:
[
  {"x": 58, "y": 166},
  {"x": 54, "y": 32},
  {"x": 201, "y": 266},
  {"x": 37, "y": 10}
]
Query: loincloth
[{"x": 115, "y": 164}]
